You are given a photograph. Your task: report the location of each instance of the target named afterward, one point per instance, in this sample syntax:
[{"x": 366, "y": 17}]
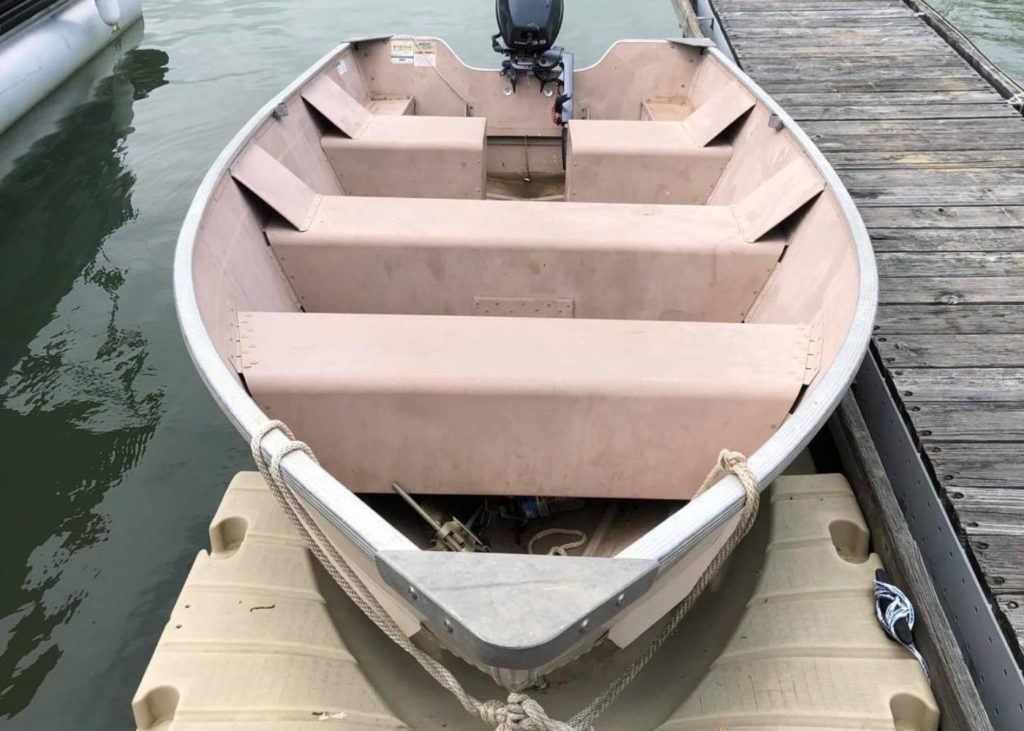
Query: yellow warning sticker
[{"x": 413, "y": 51}]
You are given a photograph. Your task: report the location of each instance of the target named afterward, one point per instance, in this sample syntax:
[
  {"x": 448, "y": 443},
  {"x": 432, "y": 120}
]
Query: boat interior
[{"x": 525, "y": 328}]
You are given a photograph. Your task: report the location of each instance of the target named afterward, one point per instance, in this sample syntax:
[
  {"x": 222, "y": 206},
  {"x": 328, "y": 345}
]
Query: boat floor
[
  {"x": 260, "y": 638},
  {"x": 537, "y": 187}
]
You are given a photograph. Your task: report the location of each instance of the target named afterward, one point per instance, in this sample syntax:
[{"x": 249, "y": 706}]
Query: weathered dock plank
[
  {"x": 980, "y": 465},
  {"x": 942, "y": 216},
  {"x": 950, "y": 264},
  {"x": 940, "y": 241},
  {"x": 961, "y": 384},
  {"x": 917, "y": 125},
  {"x": 927, "y": 159},
  {"x": 958, "y": 187},
  {"x": 925, "y": 134},
  {"x": 893, "y": 85},
  {"x": 862, "y": 112},
  {"x": 989, "y": 421},
  {"x": 946, "y": 319},
  {"x": 951, "y": 290},
  {"x": 935, "y": 351},
  {"x": 874, "y": 98}
]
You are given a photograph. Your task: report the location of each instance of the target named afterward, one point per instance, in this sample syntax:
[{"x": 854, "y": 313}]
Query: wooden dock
[{"x": 934, "y": 157}]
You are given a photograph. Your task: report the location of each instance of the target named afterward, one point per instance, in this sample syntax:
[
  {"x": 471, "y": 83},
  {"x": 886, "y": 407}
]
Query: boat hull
[{"x": 655, "y": 571}]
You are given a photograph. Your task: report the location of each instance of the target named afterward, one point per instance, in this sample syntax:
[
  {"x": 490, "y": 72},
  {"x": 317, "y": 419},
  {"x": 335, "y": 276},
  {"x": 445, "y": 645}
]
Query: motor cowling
[{"x": 529, "y": 26}]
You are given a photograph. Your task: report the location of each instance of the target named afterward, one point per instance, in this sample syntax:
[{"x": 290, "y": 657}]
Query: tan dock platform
[{"x": 261, "y": 639}]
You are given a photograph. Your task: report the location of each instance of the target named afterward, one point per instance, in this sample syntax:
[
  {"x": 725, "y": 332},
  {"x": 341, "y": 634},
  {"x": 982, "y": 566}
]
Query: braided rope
[
  {"x": 518, "y": 711},
  {"x": 728, "y": 462},
  {"x": 580, "y": 540},
  {"x": 897, "y": 607}
]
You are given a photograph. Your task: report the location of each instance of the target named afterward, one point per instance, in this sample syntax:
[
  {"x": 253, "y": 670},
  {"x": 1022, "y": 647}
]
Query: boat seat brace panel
[
  {"x": 276, "y": 185},
  {"x": 338, "y": 106},
  {"x": 778, "y": 198},
  {"x": 522, "y": 406},
  {"x": 714, "y": 116}
]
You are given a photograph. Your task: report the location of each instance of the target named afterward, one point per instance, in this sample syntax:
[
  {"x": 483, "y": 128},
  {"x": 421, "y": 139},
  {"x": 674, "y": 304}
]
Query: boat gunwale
[
  {"x": 682, "y": 531},
  {"x": 666, "y": 543}
]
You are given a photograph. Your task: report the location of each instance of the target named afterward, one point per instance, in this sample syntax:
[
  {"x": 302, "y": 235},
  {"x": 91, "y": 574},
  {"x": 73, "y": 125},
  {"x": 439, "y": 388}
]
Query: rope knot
[
  {"x": 729, "y": 461},
  {"x": 519, "y": 711}
]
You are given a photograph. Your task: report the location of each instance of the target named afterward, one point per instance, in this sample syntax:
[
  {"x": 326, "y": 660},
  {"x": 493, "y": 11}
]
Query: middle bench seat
[{"x": 469, "y": 257}]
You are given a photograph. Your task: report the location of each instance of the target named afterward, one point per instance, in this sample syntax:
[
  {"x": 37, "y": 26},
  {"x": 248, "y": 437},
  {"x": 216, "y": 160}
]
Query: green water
[
  {"x": 114, "y": 456},
  {"x": 995, "y": 26}
]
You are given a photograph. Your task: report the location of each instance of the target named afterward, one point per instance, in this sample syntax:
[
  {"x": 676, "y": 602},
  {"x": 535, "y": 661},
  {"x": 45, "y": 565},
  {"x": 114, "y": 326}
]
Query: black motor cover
[{"x": 529, "y": 26}]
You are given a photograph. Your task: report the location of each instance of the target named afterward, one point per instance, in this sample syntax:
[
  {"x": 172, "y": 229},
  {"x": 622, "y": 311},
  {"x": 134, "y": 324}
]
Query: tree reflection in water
[{"x": 73, "y": 415}]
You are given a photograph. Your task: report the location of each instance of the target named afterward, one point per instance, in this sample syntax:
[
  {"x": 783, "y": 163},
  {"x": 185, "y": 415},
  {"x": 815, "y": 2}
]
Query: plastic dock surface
[{"x": 260, "y": 639}]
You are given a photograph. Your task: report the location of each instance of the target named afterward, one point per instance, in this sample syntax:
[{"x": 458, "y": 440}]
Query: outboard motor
[
  {"x": 528, "y": 30},
  {"x": 529, "y": 26}
]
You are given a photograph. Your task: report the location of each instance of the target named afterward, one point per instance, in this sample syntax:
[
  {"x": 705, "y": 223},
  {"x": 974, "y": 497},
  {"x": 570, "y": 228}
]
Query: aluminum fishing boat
[{"x": 517, "y": 313}]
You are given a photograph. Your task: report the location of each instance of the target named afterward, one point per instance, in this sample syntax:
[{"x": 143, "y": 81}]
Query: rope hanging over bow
[{"x": 518, "y": 712}]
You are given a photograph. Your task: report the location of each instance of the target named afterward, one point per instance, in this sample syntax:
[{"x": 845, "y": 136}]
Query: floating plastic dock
[{"x": 260, "y": 639}]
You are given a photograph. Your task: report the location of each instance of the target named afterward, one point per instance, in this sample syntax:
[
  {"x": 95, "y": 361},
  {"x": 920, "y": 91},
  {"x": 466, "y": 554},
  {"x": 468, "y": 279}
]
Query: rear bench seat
[
  {"x": 459, "y": 257},
  {"x": 399, "y": 154},
  {"x": 663, "y": 158},
  {"x": 516, "y": 406}
]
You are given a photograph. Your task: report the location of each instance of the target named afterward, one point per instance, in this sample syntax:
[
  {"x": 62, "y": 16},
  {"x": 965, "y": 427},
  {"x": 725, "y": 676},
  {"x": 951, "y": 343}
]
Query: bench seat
[
  {"x": 419, "y": 157},
  {"x": 667, "y": 156},
  {"x": 388, "y": 153},
  {"x": 618, "y": 161},
  {"x": 522, "y": 406},
  {"x": 452, "y": 257}
]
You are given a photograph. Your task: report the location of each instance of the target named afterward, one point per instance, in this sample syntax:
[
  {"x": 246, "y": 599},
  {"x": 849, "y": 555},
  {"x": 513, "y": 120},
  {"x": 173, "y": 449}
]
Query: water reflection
[{"x": 76, "y": 407}]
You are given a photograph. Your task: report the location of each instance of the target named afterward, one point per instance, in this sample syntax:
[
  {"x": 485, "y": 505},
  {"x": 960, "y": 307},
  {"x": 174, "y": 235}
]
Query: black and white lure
[{"x": 896, "y": 615}]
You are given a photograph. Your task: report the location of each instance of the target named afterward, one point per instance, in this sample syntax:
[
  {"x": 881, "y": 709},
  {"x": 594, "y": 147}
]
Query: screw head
[
  {"x": 448, "y": 626},
  {"x": 413, "y": 594}
]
